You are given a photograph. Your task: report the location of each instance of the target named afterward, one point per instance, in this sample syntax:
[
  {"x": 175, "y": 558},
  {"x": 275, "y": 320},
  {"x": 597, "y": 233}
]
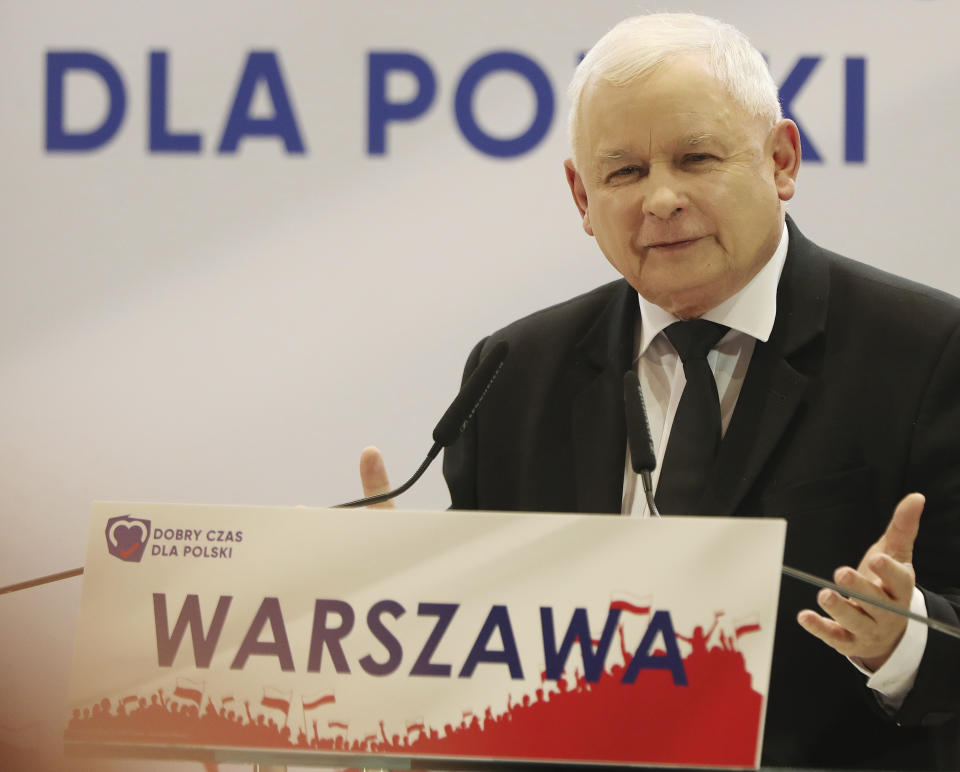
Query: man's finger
[
  {"x": 849, "y": 579},
  {"x": 373, "y": 476},
  {"x": 888, "y": 580},
  {"x": 897, "y": 579},
  {"x": 851, "y": 615},
  {"x": 828, "y": 631},
  {"x": 897, "y": 541}
]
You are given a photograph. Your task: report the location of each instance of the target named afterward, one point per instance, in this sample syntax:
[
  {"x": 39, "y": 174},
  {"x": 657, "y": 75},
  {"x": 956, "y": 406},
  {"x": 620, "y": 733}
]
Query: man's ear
[
  {"x": 579, "y": 193},
  {"x": 785, "y": 151}
]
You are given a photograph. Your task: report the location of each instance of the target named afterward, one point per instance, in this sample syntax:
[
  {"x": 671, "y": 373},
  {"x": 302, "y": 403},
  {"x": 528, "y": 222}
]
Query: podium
[{"x": 406, "y": 639}]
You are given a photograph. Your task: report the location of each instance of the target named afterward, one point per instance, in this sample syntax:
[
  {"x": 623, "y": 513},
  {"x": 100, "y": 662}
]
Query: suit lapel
[
  {"x": 598, "y": 420},
  {"x": 773, "y": 388}
]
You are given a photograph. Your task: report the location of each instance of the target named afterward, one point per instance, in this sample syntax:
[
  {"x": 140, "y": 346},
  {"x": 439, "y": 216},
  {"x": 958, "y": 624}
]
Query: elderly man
[{"x": 781, "y": 380}]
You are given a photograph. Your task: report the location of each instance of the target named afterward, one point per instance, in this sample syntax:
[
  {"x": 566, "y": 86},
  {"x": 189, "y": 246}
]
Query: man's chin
[{"x": 683, "y": 301}]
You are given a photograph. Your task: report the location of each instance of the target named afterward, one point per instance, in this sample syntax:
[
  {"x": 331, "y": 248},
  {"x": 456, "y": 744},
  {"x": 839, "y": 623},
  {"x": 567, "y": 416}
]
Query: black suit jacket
[{"x": 853, "y": 402}]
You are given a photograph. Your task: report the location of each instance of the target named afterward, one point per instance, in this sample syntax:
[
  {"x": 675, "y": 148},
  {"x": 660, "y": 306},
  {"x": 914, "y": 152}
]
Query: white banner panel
[{"x": 304, "y": 634}]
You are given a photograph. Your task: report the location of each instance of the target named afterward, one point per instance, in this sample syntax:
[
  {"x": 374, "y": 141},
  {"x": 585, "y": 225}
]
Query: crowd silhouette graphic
[{"x": 713, "y": 720}]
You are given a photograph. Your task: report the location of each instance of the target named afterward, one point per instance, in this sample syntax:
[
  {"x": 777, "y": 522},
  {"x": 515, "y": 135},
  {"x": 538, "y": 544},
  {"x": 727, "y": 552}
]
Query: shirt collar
[{"x": 751, "y": 311}]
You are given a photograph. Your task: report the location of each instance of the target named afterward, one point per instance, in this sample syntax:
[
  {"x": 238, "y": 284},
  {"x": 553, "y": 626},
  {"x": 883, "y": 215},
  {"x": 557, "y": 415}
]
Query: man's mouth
[{"x": 673, "y": 243}]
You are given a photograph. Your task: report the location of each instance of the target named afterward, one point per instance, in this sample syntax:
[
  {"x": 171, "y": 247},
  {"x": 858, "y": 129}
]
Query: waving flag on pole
[
  {"x": 274, "y": 698},
  {"x": 189, "y": 690},
  {"x": 316, "y": 702},
  {"x": 635, "y": 613},
  {"x": 745, "y": 625},
  {"x": 632, "y": 604}
]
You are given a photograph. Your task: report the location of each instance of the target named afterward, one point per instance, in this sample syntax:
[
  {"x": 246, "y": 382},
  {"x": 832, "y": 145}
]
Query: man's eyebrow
[
  {"x": 612, "y": 154},
  {"x": 696, "y": 139}
]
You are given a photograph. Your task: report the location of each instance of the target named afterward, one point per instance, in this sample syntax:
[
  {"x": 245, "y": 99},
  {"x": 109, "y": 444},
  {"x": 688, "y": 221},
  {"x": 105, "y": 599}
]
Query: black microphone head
[
  {"x": 642, "y": 457},
  {"x": 461, "y": 410}
]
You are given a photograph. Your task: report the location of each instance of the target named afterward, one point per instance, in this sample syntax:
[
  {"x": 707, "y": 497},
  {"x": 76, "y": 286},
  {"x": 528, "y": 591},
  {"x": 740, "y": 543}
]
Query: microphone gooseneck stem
[
  {"x": 648, "y": 492},
  {"x": 816, "y": 581},
  {"x": 41, "y": 580},
  {"x": 642, "y": 457},
  {"x": 453, "y": 422},
  {"x": 371, "y": 500}
]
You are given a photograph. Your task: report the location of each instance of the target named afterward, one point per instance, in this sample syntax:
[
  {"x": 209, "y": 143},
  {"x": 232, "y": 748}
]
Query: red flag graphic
[
  {"x": 632, "y": 604},
  {"x": 272, "y": 698},
  {"x": 748, "y": 627},
  {"x": 189, "y": 690},
  {"x": 316, "y": 702}
]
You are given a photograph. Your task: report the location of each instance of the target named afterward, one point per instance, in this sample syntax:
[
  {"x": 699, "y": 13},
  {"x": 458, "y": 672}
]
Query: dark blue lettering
[
  {"x": 579, "y": 628},
  {"x": 162, "y": 139},
  {"x": 463, "y": 104},
  {"x": 57, "y": 136},
  {"x": 855, "y": 110},
  {"x": 279, "y": 647},
  {"x": 789, "y": 89},
  {"x": 203, "y": 644},
  {"x": 261, "y": 66},
  {"x": 382, "y": 634},
  {"x": 497, "y": 619},
  {"x": 669, "y": 660},
  {"x": 444, "y": 613},
  {"x": 330, "y": 636},
  {"x": 379, "y": 110}
]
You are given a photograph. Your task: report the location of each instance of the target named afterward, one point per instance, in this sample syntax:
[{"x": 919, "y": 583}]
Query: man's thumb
[
  {"x": 373, "y": 476},
  {"x": 897, "y": 541}
]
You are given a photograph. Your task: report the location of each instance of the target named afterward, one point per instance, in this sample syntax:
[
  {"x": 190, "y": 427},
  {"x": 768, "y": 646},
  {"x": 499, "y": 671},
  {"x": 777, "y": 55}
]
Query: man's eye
[
  {"x": 627, "y": 171},
  {"x": 697, "y": 158}
]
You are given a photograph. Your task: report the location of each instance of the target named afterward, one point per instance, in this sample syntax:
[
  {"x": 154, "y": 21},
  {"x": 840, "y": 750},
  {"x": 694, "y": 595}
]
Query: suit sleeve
[
  {"x": 935, "y": 472},
  {"x": 460, "y": 458}
]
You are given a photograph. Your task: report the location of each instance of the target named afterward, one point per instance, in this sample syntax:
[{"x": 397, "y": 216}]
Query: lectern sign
[{"x": 313, "y": 636}]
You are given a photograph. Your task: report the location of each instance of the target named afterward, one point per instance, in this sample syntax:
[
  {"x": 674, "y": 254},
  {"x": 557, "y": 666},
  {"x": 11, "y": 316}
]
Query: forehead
[{"x": 679, "y": 103}]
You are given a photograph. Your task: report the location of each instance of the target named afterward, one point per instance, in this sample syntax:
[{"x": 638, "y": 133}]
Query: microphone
[
  {"x": 453, "y": 422},
  {"x": 450, "y": 426},
  {"x": 642, "y": 458}
]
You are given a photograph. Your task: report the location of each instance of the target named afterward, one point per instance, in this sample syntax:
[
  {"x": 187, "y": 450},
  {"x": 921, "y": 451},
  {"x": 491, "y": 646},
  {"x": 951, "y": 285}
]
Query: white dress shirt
[{"x": 750, "y": 315}]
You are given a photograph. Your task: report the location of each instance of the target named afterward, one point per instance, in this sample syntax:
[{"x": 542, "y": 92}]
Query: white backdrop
[{"x": 234, "y": 328}]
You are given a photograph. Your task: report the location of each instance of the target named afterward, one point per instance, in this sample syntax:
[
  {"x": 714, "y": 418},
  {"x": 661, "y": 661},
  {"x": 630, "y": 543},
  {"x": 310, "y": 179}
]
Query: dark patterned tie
[{"x": 695, "y": 434}]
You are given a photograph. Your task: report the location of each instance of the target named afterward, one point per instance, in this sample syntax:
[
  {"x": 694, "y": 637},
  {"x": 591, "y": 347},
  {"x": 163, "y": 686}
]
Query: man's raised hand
[{"x": 885, "y": 572}]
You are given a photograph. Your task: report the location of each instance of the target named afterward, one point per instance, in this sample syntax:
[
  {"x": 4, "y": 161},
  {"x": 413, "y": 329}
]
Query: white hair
[{"x": 639, "y": 45}]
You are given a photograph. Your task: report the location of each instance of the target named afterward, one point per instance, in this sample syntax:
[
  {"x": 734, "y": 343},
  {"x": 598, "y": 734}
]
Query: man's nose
[{"x": 664, "y": 198}]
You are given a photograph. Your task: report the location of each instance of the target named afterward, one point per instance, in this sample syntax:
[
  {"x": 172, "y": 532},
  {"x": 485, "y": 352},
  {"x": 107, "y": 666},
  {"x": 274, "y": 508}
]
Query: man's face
[{"x": 680, "y": 186}]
